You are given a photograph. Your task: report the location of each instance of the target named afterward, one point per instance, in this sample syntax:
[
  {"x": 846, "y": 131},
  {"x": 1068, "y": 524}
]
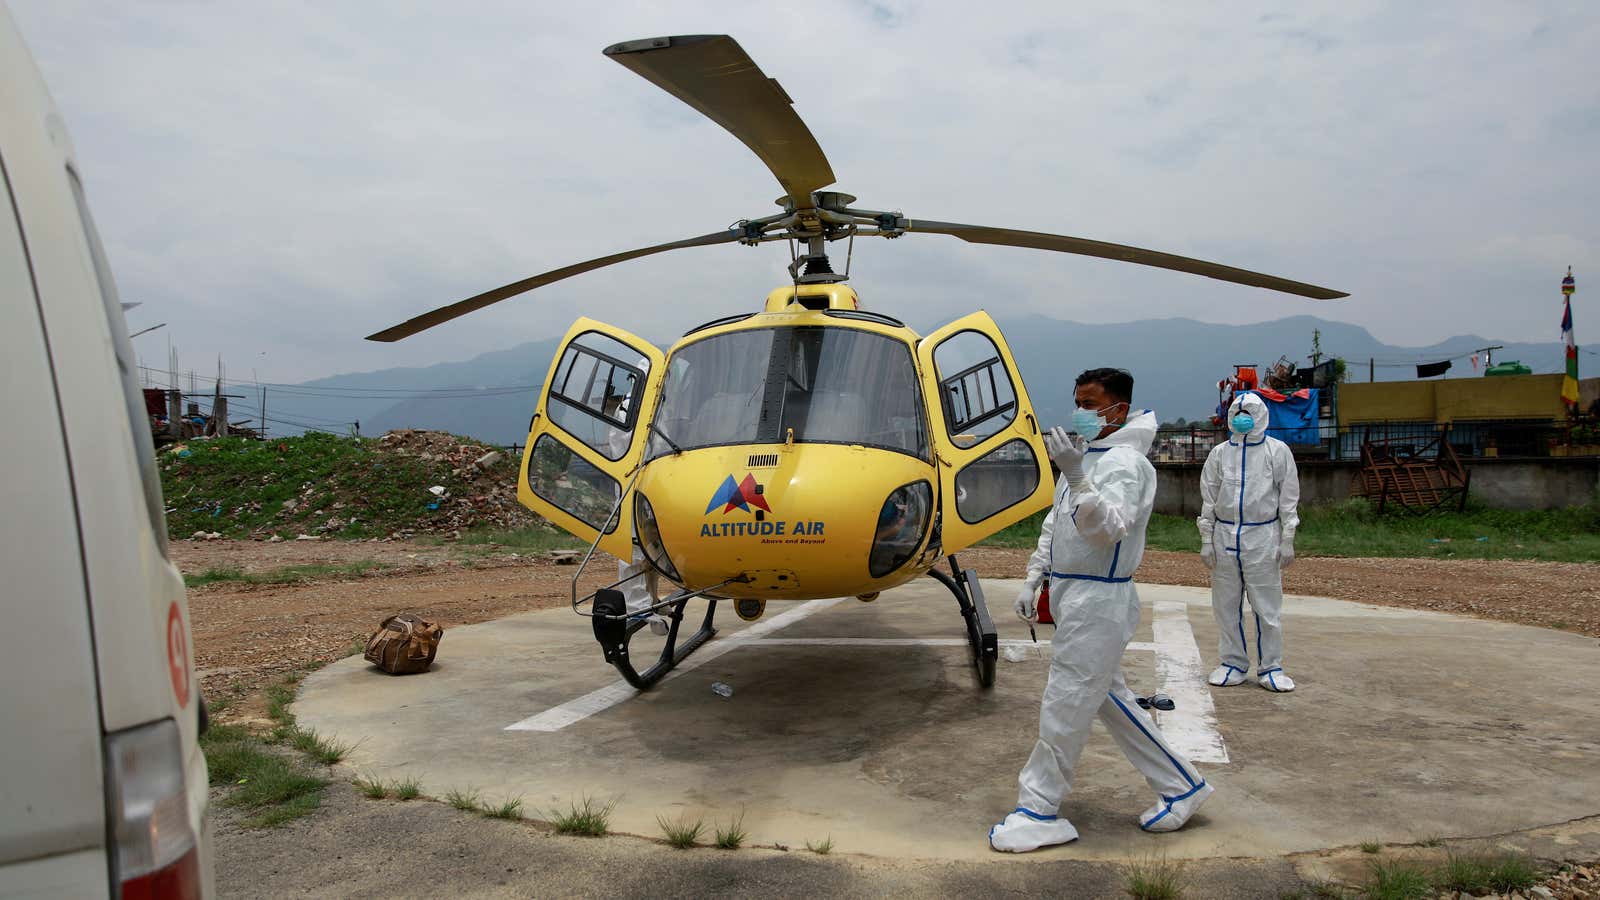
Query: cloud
[{"x": 285, "y": 180}]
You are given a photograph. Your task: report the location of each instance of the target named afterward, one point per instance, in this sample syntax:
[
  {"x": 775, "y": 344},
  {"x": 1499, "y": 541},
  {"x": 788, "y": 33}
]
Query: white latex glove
[
  {"x": 1286, "y": 551},
  {"x": 1208, "y": 554},
  {"x": 1067, "y": 453},
  {"x": 1027, "y": 605}
]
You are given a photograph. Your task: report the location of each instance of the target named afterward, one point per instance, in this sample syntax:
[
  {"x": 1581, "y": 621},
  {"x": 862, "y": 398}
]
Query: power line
[{"x": 353, "y": 393}]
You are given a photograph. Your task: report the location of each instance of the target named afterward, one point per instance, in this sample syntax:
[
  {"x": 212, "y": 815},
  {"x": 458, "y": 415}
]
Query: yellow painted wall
[
  {"x": 1449, "y": 399},
  {"x": 1386, "y": 401}
]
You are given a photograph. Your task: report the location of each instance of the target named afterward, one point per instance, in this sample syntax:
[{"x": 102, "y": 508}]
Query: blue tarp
[{"x": 1293, "y": 421}]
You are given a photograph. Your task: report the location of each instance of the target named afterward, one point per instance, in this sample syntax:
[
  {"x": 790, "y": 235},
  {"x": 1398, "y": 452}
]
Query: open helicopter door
[
  {"x": 587, "y": 433},
  {"x": 993, "y": 471}
]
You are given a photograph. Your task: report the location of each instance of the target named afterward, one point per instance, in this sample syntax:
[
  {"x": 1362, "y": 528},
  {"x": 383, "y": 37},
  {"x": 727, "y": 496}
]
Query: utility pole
[
  {"x": 1372, "y": 370},
  {"x": 1488, "y": 354},
  {"x": 175, "y": 412}
]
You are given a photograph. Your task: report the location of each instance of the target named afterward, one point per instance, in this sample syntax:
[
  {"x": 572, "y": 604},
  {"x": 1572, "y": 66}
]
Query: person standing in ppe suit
[
  {"x": 1090, "y": 546},
  {"x": 1249, "y": 491},
  {"x": 632, "y": 575}
]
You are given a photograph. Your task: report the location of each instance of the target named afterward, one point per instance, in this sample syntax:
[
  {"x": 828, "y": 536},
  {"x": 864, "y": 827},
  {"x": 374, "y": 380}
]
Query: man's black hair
[{"x": 1115, "y": 382}]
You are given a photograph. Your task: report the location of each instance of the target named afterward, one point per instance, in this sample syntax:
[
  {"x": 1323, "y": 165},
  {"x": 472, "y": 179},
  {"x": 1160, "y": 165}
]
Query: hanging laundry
[{"x": 1429, "y": 370}]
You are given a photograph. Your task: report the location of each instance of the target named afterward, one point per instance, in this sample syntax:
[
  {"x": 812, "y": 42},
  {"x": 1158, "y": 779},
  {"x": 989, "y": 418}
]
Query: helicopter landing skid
[
  {"x": 981, "y": 634},
  {"x": 614, "y": 629}
]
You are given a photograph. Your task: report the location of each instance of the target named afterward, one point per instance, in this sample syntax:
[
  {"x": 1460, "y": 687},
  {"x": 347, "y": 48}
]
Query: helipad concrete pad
[{"x": 863, "y": 722}]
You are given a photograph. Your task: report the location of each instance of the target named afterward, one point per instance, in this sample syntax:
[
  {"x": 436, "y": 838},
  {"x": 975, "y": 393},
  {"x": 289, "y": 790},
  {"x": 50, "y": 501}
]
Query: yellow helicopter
[{"x": 805, "y": 450}]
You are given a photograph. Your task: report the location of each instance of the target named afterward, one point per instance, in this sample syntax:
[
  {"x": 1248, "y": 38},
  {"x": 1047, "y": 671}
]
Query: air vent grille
[{"x": 763, "y": 461}]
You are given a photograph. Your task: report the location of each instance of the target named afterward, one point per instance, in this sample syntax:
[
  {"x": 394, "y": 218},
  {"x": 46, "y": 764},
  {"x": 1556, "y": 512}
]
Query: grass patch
[
  {"x": 1513, "y": 872},
  {"x": 733, "y": 836},
  {"x": 228, "y": 762},
  {"x": 339, "y": 487},
  {"x": 465, "y": 800},
  {"x": 274, "y": 785},
  {"x": 588, "y": 818},
  {"x": 1153, "y": 879},
  {"x": 287, "y": 811},
  {"x": 1370, "y": 846},
  {"x": 1353, "y": 528},
  {"x": 285, "y": 574},
  {"x": 681, "y": 832},
  {"x": 323, "y": 750},
  {"x": 535, "y": 539},
  {"x": 1399, "y": 880},
  {"x": 372, "y": 787},
  {"x": 511, "y": 808},
  {"x": 1465, "y": 872},
  {"x": 409, "y": 789},
  {"x": 280, "y": 696},
  {"x": 271, "y": 780},
  {"x": 821, "y": 848}
]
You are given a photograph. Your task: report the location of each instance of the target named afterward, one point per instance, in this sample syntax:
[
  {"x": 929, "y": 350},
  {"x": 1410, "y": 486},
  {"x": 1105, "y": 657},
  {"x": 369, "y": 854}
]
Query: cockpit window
[{"x": 830, "y": 385}]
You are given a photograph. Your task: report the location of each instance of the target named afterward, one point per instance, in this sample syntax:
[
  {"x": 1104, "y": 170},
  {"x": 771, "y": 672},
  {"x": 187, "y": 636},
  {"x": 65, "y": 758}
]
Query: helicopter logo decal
[{"x": 734, "y": 495}]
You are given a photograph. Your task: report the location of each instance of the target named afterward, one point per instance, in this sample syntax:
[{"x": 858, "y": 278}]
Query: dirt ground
[{"x": 247, "y": 635}]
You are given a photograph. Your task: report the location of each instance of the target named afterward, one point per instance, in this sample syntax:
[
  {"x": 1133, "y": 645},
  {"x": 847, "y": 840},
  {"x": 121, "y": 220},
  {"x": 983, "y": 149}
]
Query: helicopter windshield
[{"x": 830, "y": 385}]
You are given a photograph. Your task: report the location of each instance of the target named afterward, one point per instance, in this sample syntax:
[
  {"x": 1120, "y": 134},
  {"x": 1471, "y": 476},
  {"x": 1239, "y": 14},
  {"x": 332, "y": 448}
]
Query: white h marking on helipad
[
  {"x": 1191, "y": 728},
  {"x": 559, "y": 717}
]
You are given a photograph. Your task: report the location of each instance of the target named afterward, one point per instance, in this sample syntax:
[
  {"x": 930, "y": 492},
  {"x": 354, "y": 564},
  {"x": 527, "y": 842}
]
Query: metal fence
[{"x": 1470, "y": 440}]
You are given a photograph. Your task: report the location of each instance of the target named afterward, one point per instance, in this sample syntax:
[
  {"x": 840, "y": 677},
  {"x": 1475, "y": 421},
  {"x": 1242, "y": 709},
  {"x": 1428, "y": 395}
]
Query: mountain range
[{"x": 1176, "y": 364}]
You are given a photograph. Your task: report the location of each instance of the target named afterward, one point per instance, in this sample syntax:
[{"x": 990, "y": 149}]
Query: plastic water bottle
[{"x": 721, "y": 690}]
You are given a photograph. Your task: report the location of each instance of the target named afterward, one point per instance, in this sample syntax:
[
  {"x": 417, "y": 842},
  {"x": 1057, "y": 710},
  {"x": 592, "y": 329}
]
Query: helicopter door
[
  {"x": 587, "y": 433},
  {"x": 993, "y": 471}
]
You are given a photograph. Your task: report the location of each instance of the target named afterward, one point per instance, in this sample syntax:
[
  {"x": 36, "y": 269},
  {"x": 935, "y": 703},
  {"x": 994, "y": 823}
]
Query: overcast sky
[{"x": 278, "y": 180}]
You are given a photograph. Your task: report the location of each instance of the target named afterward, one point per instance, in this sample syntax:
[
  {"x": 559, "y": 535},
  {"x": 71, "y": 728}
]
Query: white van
[{"x": 102, "y": 781}]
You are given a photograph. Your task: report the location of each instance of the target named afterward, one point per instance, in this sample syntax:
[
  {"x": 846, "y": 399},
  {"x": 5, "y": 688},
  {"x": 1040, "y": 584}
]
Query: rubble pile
[
  {"x": 322, "y": 486},
  {"x": 481, "y": 490}
]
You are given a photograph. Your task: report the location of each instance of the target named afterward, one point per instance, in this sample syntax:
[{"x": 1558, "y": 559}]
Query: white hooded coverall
[
  {"x": 1090, "y": 545},
  {"x": 1249, "y": 491},
  {"x": 632, "y": 573}
]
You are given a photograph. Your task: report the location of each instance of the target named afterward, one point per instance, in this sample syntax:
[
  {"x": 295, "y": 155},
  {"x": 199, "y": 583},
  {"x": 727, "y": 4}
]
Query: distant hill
[{"x": 1175, "y": 362}]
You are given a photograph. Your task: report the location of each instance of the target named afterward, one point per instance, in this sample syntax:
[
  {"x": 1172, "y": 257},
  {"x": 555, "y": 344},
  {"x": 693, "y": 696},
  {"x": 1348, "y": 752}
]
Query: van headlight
[
  {"x": 902, "y": 520},
  {"x": 644, "y": 525}
]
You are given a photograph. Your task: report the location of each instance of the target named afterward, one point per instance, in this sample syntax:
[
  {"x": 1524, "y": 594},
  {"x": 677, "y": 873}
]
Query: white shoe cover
[
  {"x": 1172, "y": 812},
  {"x": 1275, "y": 680},
  {"x": 1225, "y": 676},
  {"x": 658, "y": 624},
  {"x": 1023, "y": 831}
]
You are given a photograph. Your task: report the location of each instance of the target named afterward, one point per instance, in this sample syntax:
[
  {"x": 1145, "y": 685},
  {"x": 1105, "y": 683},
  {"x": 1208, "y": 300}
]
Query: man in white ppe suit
[
  {"x": 1249, "y": 491},
  {"x": 1090, "y": 546},
  {"x": 633, "y": 575}
]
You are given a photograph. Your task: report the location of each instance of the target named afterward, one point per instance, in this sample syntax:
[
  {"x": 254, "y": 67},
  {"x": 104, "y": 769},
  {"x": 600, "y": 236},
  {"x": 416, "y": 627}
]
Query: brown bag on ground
[{"x": 404, "y": 644}]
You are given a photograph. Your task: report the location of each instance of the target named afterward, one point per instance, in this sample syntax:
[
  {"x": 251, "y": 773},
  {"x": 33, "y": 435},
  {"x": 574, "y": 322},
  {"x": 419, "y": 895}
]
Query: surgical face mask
[
  {"x": 1089, "y": 422},
  {"x": 1243, "y": 422}
]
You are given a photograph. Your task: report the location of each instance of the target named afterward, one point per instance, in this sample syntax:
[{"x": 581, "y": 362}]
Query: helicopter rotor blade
[
  {"x": 1010, "y": 237},
  {"x": 713, "y": 74},
  {"x": 460, "y": 308}
]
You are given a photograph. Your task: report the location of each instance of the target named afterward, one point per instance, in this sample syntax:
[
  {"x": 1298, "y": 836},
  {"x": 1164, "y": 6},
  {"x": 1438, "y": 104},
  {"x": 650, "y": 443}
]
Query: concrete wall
[
  {"x": 1501, "y": 483},
  {"x": 1446, "y": 400}
]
